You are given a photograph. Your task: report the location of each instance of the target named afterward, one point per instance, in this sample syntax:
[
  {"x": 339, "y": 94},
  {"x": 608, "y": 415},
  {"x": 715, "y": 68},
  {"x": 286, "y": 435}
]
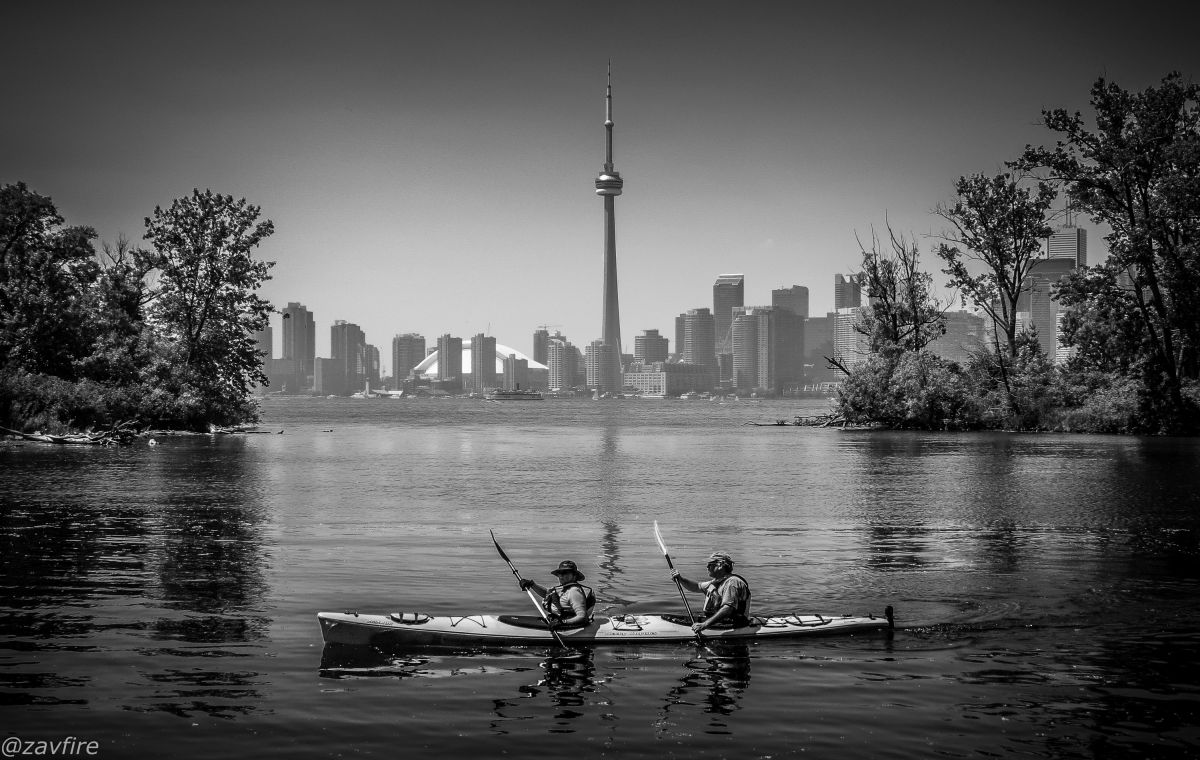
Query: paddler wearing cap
[
  {"x": 569, "y": 603},
  {"x": 726, "y": 596}
]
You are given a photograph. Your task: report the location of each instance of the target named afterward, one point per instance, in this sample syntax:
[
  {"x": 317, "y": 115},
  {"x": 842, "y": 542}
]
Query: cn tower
[{"x": 608, "y": 186}]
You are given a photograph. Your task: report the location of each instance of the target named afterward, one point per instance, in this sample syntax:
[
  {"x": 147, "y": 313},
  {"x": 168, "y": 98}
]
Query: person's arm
[
  {"x": 724, "y": 611},
  {"x": 574, "y": 607},
  {"x": 539, "y": 590},
  {"x": 690, "y": 585}
]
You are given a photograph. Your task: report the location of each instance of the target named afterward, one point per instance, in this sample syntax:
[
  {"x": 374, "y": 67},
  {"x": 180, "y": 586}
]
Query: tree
[
  {"x": 45, "y": 272},
  {"x": 1138, "y": 171},
  {"x": 205, "y": 308},
  {"x": 902, "y": 311},
  {"x": 1000, "y": 223}
]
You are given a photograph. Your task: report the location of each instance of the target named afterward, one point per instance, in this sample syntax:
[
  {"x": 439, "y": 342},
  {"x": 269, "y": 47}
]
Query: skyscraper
[
  {"x": 847, "y": 291},
  {"x": 650, "y": 347},
  {"x": 794, "y": 299},
  {"x": 483, "y": 363},
  {"x": 541, "y": 340},
  {"x": 449, "y": 373},
  {"x": 299, "y": 344},
  {"x": 729, "y": 292},
  {"x": 754, "y": 353},
  {"x": 698, "y": 340},
  {"x": 1069, "y": 242},
  {"x": 407, "y": 352},
  {"x": 608, "y": 186},
  {"x": 347, "y": 348}
]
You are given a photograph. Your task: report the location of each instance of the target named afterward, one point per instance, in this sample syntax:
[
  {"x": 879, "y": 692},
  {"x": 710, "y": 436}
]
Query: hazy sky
[{"x": 429, "y": 166}]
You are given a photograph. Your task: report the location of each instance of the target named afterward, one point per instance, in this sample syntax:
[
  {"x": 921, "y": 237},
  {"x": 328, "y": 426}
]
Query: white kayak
[{"x": 414, "y": 628}]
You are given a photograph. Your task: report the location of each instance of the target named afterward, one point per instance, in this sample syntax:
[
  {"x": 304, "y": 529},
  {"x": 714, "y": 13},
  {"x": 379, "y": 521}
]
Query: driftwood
[
  {"x": 120, "y": 433},
  {"x": 817, "y": 420}
]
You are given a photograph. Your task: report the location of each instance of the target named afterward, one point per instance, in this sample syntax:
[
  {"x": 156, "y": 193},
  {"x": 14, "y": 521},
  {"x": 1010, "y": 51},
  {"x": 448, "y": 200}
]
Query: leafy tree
[
  {"x": 908, "y": 389},
  {"x": 999, "y": 223},
  {"x": 205, "y": 308},
  {"x": 1138, "y": 171},
  {"x": 45, "y": 272},
  {"x": 903, "y": 311}
]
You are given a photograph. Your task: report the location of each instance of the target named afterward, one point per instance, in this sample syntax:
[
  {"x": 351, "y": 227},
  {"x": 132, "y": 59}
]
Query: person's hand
[
  {"x": 554, "y": 620},
  {"x": 524, "y": 583},
  {"x": 697, "y": 627},
  {"x": 674, "y": 574}
]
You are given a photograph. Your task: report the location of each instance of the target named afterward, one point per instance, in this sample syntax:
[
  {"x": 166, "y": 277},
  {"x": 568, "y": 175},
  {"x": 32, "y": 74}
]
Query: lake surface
[{"x": 161, "y": 600}]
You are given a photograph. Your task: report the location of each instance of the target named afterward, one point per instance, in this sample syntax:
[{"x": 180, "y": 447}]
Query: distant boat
[
  {"x": 689, "y": 395},
  {"x": 514, "y": 395}
]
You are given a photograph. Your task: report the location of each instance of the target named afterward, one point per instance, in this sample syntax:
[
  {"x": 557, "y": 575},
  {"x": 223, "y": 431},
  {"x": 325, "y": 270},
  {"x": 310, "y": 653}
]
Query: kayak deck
[{"x": 412, "y": 628}]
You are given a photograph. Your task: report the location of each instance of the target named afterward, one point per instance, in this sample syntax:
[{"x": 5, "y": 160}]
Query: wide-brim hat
[
  {"x": 721, "y": 557},
  {"x": 567, "y": 566}
]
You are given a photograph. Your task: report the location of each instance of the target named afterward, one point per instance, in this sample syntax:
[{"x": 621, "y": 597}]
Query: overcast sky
[{"x": 429, "y": 167}]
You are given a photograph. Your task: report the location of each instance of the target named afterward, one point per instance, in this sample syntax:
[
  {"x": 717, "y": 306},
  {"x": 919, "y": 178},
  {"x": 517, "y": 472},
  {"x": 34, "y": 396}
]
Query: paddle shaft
[
  {"x": 678, "y": 583},
  {"x": 532, "y": 597}
]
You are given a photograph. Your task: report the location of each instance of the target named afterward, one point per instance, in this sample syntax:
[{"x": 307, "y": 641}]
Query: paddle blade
[
  {"x": 497, "y": 543},
  {"x": 658, "y": 536}
]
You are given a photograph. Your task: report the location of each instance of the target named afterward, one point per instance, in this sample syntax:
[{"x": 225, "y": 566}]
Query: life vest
[
  {"x": 552, "y": 598},
  {"x": 741, "y": 612}
]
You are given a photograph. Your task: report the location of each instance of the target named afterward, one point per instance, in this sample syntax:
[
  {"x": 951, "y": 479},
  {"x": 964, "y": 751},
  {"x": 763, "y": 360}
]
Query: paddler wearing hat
[
  {"x": 569, "y": 603},
  {"x": 726, "y": 596}
]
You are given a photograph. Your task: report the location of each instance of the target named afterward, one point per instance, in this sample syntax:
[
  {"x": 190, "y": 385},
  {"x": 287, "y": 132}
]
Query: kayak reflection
[{"x": 714, "y": 680}]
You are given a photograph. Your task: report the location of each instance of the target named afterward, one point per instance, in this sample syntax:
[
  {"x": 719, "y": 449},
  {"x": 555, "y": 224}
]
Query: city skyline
[{"x": 421, "y": 163}]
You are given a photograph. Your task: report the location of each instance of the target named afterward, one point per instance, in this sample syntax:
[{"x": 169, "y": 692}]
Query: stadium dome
[{"x": 429, "y": 365}]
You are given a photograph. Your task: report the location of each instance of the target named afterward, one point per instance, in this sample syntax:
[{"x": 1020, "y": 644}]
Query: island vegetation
[
  {"x": 1131, "y": 323},
  {"x": 154, "y": 336}
]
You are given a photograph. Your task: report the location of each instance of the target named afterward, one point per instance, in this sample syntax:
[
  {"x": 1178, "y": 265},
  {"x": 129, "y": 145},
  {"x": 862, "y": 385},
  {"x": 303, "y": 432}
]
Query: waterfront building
[
  {"x": 667, "y": 378},
  {"x": 607, "y": 362},
  {"x": 562, "y": 363},
  {"x": 299, "y": 346},
  {"x": 541, "y": 345},
  {"x": 698, "y": 345},
  {"x": 516, "y": 372},
  {"x": 1037, "y": 308},
  {"x": 371, "y": 362},
  {"x": 483, "y": 363},
  {"x": 347, "y": 349},
  {"x": 650, "y": 347},
  {"x": 753, "y": 337},
  {"x": 407, "y": 352},
  {"x": 818, "y": 344},
  {"x": 729, "y": 292},
  {"x": 450, "y": 363},
  {"x": 850, "y": 347}
]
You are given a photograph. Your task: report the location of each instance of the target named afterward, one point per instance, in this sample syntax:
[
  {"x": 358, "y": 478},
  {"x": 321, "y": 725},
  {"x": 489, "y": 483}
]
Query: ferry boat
[{"x": 514, "y": 395}]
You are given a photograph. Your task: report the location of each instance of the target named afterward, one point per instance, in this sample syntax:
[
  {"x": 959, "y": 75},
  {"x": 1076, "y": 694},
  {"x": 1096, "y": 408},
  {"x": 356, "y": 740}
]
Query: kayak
[{"x": 415, "y": 628}]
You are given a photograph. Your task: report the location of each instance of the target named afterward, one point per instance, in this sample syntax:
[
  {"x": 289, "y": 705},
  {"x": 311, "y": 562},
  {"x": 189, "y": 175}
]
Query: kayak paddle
[
  {"x": 541, "y": 610},
  {"x": 671, "y": 565}
]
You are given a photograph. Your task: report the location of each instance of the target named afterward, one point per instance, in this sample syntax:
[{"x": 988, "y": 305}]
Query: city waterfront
[{"x": 162, "y": 599}]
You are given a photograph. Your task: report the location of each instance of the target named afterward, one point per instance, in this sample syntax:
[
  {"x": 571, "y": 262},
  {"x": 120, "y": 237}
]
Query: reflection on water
[{"x": 713, "y": 681}]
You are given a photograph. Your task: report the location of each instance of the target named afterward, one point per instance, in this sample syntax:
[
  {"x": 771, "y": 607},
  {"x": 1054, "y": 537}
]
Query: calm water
[{"x": 162, "y": 600}]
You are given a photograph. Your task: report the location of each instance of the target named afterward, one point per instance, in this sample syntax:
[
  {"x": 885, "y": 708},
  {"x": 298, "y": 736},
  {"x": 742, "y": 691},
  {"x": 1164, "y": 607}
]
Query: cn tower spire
[{"x": 608, "y": 186}]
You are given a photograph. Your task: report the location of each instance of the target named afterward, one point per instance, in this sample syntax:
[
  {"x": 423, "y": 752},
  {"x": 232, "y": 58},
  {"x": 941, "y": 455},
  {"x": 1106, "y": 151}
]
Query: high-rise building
[
  {"x": 562, "y": 363},
  {"x": 1037, "y": 309},
  {"x": 516, "y": 373},
  {"x": 541, "y": 341},
  {"x": 964, "y": 334},
  {"x": 698, "y": 343},
  {"x": 483, "y": 363},
  {"x": 650, "y": 347},
  {"x": 347, "y": 348},
  {"x": 753, "y": 348},
  {"x": 1069, "y": 242},
  {"x": 264, "y": 342},
  {"x": 818, "y": 344},
  {"x": 608, "y": 186},
  {"x": 794, "y": 299},
  {"x": 299, "y": 344},
  {"x": 371, "y": 365},
  {"x": 729, "y": 292},
  {"x": 450, "y": 366},
  {"x": 847, "y": 291},
  {"x": 407, "y": 352},
  {"x": 850, "y": 347}
]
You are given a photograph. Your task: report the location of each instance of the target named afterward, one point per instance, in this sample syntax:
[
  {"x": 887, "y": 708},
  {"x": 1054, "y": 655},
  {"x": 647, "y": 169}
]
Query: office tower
[
  {"x": 754, "y": 353},
  {"x": 516, "y": 373},
  {"x": 1037, "y": 308},
  {"x": 608, "y": 186},
  {"x": 729, "y": 292},
  {"x": 483, "y": 363},
  {"x": 347, "y": 348},
  {"x": 794, "y": 299},
  {"x": 371, "y": 365},
  {"x": 850, "y": 347},
  {"x": 679, "y": 322},
  {"x": 562, "y": 361},
  {"x": 1068, "y": 242},
  {"x": 449, "y": 362},
  {"x": 847, "y": 291},
  {"x": 300, "y": 343},
  {"x": 650, "y": 347},
  {"x": 541, "y": 341},
  {"x": 407, "y": 352},
  {"x": 789, "y": 338},
  {"x": 698, "y": 341},
  {"x": 818, "y": 344}
]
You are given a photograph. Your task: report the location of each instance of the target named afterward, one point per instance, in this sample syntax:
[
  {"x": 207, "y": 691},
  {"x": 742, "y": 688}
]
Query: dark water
[{"x": 161, "y": 600}]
